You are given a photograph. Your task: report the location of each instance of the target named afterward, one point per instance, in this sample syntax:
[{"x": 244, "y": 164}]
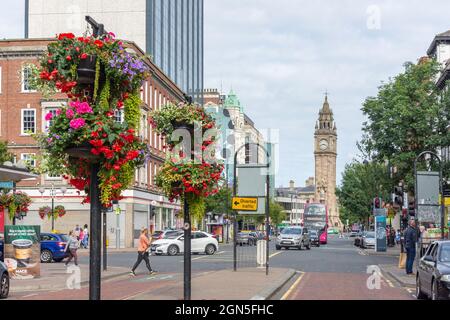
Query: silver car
[
  {"x": 368, "y": 240},
  {"x": 293, "y": 237}
]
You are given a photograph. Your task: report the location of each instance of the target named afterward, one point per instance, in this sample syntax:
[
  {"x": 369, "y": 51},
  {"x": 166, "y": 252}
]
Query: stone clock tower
[{"x": 325, "y": 153}]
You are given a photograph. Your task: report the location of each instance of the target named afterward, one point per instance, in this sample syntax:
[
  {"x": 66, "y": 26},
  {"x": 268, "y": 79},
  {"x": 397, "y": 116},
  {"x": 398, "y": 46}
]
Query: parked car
[
  {"x": 246, "y": 238},
  {"x": 158, "y": 235},
  {"x": 368, "y": 240},
  {"x": 355, "y": 232},
  {"x": 4, "y": 281},
  {"x": 433, "y": 272},
  {"x": 2, "y": 248},
  {"x": 293, "y": 237},
  {"x": 314, "y": 237},
  {"x": 201, "y": 242},
  {"x": 52, "y": 247}
]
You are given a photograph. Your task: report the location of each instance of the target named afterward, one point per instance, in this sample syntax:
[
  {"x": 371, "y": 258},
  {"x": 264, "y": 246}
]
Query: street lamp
[{"x": 53, "y": 195}]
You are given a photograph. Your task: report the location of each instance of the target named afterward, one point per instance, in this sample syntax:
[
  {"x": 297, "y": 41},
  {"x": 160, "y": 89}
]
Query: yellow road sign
[{"x": 245, "y": 204}]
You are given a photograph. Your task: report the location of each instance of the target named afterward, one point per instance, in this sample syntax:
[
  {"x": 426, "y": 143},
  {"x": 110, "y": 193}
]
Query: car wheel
[
  {"x": 434, "y": 293},
  {"x": 173, "y": 250},
  {"x": 278, "y": 247},
  {"x": 46, "y": 256},
  {"x": 210, "y": 249},
  {"x": 4, "y": 286},
  {"x": 419, "y": 294}
]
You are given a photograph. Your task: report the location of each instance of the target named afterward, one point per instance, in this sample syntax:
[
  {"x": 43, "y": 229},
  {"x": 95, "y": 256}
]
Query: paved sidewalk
[
  {"x": 245, "y": 284},
  {"x": 399, "y": 275},
  {"x": 54, "y": 276},
  {"x": 391, "y": 252}
]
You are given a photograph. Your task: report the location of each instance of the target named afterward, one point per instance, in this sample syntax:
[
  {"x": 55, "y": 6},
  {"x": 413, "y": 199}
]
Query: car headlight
[{"x": 446, "y": 278}]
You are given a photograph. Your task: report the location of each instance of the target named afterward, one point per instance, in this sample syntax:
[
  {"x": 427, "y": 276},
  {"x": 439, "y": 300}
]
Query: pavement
[
  {"x": 245, "y": 284},
  {"x": 399, "y": 275},
  {"x": 55, "y": 276},
  {"x": 390, "y": 252}
]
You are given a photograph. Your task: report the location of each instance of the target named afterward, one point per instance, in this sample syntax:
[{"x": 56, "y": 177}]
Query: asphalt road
[{"x": 334, "y": 271}]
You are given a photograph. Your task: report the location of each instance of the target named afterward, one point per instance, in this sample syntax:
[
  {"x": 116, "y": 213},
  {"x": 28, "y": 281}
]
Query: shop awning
[{"x": 15, "y": 174}]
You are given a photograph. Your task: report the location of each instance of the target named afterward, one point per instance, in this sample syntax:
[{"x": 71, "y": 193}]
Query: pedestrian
[
  {"x": 86, "y": 236},
  {"x": 397, "y": 237},
  {"x": 411, "y": 235},
  {"x": 144, "y": 245},
  {"x": 81, "y": 238},
  {"x": 76, "y": 232},
  {"x": 72, "y": 247}
]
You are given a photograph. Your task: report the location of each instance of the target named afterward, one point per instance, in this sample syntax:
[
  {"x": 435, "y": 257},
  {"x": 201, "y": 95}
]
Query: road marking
[
  {"x": 288, "y": 293},
  {"x": 275, "y": 254},
  {"x": 30, "y": 295}
]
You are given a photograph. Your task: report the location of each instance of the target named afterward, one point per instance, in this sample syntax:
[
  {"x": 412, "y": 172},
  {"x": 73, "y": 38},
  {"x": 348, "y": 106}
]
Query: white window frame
[
  {"x": 33, "y": 155},
  {"x": 122, "y": 115},
  {"x": 52, "y": 178},
  {"x": 22, "y": 132},
  {"x": 23, "y": 82}
]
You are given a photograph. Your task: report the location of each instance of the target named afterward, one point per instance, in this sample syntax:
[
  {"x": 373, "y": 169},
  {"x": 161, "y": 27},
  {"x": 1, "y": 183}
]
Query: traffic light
[
  {"x": 377, "y": 203},
  {"x": 412, "y": 208},
  {"x": 398, "y": 196},
  {"x": 152, "y": 211}
]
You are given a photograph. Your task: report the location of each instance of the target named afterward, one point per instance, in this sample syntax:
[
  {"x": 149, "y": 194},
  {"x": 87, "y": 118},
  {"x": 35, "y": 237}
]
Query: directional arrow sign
[{"x": 245, "y": 204}]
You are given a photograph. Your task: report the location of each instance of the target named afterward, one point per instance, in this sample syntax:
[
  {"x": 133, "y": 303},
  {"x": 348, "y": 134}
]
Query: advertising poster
[
  {"x": 218, "y": 231},
  {"x": 380, "y": 225},
  {"x": 23, "y": 251}
]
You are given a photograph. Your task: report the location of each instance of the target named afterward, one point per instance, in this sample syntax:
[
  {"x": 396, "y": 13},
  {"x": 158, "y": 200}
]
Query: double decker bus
[{"x": 315, "y": 217}]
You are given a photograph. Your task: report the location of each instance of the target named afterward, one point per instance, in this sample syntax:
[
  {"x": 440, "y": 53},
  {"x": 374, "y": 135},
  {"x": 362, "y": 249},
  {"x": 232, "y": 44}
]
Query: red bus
[{"x": 315, "y": 217}]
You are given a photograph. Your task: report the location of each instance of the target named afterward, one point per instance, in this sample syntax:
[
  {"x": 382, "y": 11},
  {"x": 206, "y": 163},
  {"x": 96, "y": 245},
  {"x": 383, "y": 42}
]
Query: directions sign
[
  {"x": 245, "y": 204},
  {"x": 6, "y": 185}
]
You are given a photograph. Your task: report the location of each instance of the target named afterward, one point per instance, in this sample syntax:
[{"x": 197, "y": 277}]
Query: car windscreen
[
  {"x": 445, "y": 253},
  {"x": 292, "y": 231}
]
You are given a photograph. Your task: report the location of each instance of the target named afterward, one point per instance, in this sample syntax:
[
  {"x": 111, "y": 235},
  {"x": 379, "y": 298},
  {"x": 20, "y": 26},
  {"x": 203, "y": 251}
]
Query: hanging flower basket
[
  {"x": 100, "y": 78},
  {"x": 45, "y": 211},
  {"x": 60, "y": 211},
  {"x": 181, "y": 178},
  {"x": 17, "y": 203}
]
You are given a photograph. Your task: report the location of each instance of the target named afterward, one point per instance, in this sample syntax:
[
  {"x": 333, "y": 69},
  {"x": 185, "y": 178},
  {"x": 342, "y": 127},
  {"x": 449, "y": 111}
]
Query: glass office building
[{"x": 174, "y": 38}]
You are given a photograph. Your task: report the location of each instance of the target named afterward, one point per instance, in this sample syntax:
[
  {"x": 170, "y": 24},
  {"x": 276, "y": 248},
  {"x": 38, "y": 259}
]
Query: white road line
[{"x": 275, "y": 254}]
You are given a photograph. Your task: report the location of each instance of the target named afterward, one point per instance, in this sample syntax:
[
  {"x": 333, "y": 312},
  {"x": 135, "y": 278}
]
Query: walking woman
[
  {"x": 71, "y": 247},
  {"x": 144, "y": 245}
]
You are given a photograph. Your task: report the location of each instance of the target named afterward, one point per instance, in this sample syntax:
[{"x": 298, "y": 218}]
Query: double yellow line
[{"x": 296, "y": 283}]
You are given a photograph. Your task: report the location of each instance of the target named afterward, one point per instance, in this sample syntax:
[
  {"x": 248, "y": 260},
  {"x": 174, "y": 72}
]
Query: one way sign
[{"x": 245, "y": 204}]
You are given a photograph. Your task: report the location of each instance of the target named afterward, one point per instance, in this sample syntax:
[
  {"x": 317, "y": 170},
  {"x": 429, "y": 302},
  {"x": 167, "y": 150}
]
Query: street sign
[
  {"x": 6, "y": 185},
  {"x": 245, "y": 204}
]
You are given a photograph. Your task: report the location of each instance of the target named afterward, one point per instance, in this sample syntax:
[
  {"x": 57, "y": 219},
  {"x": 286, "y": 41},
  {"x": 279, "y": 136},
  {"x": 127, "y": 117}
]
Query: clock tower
[{"x": 325, "y": 153}]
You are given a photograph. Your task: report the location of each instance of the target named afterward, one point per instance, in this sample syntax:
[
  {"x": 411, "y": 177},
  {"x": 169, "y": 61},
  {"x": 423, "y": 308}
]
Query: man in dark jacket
[{"x": 410, "y": 246}]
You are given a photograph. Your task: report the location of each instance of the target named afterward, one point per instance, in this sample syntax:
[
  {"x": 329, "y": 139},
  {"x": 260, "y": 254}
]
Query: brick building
[{"x": 23, "y": 110}]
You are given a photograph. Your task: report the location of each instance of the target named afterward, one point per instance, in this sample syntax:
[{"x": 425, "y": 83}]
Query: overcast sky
[{"x": 280, "y": 57}]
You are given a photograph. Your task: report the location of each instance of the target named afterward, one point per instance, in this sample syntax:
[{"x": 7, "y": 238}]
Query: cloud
[{"x": 280, "y": 56}]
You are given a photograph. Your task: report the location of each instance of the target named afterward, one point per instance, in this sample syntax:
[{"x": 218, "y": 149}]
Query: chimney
[{"x": 309, "y": 182}]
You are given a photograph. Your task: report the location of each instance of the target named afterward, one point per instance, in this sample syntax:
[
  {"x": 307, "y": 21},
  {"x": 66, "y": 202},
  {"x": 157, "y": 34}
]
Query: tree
[
  {"x": 408, "y": 116},
  {"x": 361, "y": 183},
  {"x": 4, "y": 154},
  {"x": 221, "y": 202}
]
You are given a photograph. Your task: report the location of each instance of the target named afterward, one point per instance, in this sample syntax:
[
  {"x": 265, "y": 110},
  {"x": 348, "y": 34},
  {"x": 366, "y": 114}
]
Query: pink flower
[
  {"x": 58, "y": 112},
  {"x": 83, "y": 108},
  {"x": 69, "y": 113},
  {"x": 49, "y": 116},
  {"x": 77, "y": 123}
]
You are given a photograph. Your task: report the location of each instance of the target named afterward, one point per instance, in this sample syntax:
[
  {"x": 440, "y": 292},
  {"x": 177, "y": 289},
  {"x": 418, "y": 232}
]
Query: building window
[
  {"x": 52, "y": 177},
  {"x": 28, "y": 121},
  {"x": 29, "y": 159},
  {"x": 119, "y": 116},
  {"x": 48, "y": 123},
  {"x": 26, "y": 82}
]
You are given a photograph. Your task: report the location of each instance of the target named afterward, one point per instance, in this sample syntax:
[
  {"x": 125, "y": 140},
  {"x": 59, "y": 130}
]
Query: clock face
[{"x": 323, "y": 145}]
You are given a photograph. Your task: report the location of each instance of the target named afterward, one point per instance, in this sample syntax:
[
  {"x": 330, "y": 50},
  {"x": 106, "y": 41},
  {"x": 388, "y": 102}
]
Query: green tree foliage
[
  {"x": 221, "y": 202},
  {"x": 361, "y": 183},
  {"x": 4, "y": 154},
  {"x": 408, "y": 116}
]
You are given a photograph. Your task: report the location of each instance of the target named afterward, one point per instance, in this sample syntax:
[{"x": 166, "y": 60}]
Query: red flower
[
  {"x": 83, "y": 56},
  {"x": 66, "y": 36},
  {"x": 119, "y": 104},
  {"x": 96, "y": 143},
  {"x": 131, "y": 155},
  {"x": 94, "y": 134},
  {"x": 116, "y": 147},
  {"x": 116, "y": 167},
  {"x": 68, "y": 58},
  {"x": 116, "y": 186},
  {"x": 98, "y": 43}
]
